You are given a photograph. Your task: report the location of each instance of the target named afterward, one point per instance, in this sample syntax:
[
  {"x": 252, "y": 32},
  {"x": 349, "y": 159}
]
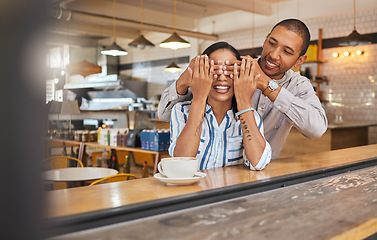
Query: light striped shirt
[{"x": 219, "y": 146}]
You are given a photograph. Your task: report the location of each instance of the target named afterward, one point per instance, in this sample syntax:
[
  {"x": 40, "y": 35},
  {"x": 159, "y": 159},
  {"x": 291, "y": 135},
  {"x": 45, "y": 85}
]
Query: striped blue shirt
[{"x": 219, "y": 146}]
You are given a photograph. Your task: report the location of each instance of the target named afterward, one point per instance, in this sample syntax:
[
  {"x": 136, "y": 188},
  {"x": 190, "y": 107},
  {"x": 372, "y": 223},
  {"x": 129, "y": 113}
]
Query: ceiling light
[
  {"x": 141, "y": 42},
  {"x": 114, "y": 49},
  {"x": 175, "y": 41},
  {"x": 354, "y": 38},
  {"x": 173, "y": 68},
  {"x": 346, "y": 54},
  {"x": 335, "y": 54},
  {"x": 359, "y": 52}
]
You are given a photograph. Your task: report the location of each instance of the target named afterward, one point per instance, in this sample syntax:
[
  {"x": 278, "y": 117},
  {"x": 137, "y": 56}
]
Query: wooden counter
[
  {"x": 339, "y": 207},
  {"x": 107, "y": 196},
  {"x": 337, "y": 136}
]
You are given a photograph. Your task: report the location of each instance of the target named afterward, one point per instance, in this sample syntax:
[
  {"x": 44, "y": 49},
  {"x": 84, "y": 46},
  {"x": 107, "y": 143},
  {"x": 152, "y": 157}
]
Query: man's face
[{"x": 281, "y": 51}]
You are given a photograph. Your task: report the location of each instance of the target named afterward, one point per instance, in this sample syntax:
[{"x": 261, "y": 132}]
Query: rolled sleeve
[
  {"x": 267, "y": 152},
  {"x": 264, "y": 160},
  {"x": 168, "y": 99}
]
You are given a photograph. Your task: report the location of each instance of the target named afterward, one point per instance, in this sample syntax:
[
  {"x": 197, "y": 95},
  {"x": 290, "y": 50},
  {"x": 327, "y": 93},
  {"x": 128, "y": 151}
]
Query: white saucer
[{"x": 181, "y": 181}]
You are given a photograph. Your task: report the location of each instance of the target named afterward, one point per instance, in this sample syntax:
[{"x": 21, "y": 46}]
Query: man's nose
[{"x": 275, "y": 54}]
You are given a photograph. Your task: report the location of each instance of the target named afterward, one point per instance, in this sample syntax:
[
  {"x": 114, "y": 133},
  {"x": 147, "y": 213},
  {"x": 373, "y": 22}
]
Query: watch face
[{"x": 273, "y": 85}]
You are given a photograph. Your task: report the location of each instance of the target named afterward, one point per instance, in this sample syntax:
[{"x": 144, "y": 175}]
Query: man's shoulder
[{"x": 293, "y": 76}]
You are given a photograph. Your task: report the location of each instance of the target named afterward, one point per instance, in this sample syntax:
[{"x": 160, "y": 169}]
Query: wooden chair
[
  {"x": 61, "y": 162},
  {"x": 115, "y": 178}
]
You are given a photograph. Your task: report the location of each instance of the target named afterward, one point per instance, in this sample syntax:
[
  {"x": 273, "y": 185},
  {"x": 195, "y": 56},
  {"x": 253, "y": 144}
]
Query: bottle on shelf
[
  {"x": 126, "y": 166},
  {"x": 110, "y": 159},
  {"x": 104, "y": 157},
  {"x": 114, "y": 162},
  {"x": 144, "y": 171},
  {"x": 99, "y": 161},
  {"x": 85, "y": 159},
  {"x": 90, "y": 161},
  {"x": 72, "y": 154},
  {"x": 104, "y": 163}
]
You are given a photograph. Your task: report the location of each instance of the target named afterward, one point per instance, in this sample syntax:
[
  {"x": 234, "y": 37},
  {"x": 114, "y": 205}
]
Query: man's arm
[
  {"x": 168, "y": 99},
  {"x": 304, "y": 110},
  {"x": 179, "y": 91},
  {"x": 301, "y": 107}
]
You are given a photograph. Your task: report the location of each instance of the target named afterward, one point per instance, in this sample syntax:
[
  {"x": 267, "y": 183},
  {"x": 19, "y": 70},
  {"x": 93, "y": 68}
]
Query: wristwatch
[{"x": 272, "y": 86}]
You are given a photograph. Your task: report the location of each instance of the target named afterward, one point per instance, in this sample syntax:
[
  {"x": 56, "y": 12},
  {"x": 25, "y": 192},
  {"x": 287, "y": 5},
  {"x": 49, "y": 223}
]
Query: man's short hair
[{"x": 298, "y": 27}]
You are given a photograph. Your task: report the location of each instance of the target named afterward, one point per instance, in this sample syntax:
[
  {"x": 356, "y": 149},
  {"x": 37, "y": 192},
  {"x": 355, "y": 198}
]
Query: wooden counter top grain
[
  {"x": 340, "y": 207},
  {"x": 106, "y": 196}
]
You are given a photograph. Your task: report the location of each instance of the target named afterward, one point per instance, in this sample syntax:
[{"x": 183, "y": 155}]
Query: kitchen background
[{"x": 349, "y": 92}]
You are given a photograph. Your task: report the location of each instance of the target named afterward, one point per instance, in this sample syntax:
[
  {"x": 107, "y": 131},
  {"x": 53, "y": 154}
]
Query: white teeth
[
  {"x": 271, "y": 64},
  {"x": 221, "y": 87}
]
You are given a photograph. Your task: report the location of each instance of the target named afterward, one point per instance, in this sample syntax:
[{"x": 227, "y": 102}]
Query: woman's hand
[
  {"x": 245, "y": 83},
  {"x": 183, "y": 82},
  {"x": 202, "y": 77}
]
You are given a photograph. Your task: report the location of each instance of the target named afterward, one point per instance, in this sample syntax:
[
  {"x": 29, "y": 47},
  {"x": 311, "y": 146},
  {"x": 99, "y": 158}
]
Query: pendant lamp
[
  {"x": 141, "y": 42},
  {"x": 354, "y": 38},
  {"x": 175, "y": 41},
  {"x": 173, "y": 68},
  {"x": 114, "y": 49}
]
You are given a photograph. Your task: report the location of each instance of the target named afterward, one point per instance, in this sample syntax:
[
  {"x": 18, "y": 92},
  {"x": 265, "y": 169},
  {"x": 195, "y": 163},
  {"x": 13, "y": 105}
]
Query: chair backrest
[
  {"x": 62, "y": 164},
  {"x": 115, "y": 178},
  {"x": 56, "y": 162}
]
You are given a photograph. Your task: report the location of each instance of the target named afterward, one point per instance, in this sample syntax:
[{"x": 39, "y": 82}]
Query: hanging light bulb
[
  {"x": 354, "y": 38},
  {"x": 114, "y": 49},
  {"x": 173, "y": 68},
  {"x": 174, "y": 41},
  {"x": 141, "y": 42}
]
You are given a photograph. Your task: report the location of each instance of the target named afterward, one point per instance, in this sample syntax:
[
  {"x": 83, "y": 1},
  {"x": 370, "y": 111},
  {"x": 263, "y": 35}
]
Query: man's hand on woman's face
[
  {"x": 263, "y": 80},
  {"x": 225, "y": 67}
]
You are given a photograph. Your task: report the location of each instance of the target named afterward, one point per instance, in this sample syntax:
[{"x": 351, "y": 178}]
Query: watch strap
[{"x": 267, "y": 91}]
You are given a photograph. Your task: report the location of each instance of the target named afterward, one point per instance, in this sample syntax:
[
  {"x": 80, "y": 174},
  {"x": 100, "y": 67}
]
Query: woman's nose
[{"x": 221, "y": 77}]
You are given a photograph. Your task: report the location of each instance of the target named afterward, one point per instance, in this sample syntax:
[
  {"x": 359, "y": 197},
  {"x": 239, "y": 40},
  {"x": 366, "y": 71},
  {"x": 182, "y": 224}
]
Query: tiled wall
[{"x": 352, "y": 80}]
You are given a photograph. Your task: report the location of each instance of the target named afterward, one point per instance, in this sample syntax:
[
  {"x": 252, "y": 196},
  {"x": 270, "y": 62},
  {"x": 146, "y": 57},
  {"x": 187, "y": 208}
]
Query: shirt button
[
  {"x": 279, "y": 107},
  {"x": 173, "y": 97}
]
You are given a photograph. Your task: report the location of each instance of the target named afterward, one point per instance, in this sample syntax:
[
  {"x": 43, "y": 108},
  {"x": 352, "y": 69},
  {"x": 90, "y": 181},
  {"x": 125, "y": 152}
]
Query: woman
[{"x": 219, "y": 126}]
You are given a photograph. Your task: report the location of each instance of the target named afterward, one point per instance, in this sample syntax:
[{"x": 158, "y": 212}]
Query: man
[{"x": 283, "y": 98}]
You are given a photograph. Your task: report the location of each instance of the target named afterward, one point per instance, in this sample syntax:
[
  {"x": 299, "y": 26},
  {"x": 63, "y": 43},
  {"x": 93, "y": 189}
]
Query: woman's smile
[{"x": 221, "y": 89}]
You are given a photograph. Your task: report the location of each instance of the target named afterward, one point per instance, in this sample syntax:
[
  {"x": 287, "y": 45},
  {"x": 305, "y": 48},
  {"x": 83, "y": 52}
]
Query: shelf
[
  {"x": 319, "y": 80},
  {"x": 317, "y": 61}
]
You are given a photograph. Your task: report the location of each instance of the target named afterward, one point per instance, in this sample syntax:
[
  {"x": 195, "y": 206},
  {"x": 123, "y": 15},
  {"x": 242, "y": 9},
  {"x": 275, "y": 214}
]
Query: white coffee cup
[{"x": 178, "y": 167}]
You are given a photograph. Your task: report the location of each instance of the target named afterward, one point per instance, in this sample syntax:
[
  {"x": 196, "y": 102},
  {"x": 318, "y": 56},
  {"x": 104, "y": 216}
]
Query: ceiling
[{"x": 85, "y": 22}]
